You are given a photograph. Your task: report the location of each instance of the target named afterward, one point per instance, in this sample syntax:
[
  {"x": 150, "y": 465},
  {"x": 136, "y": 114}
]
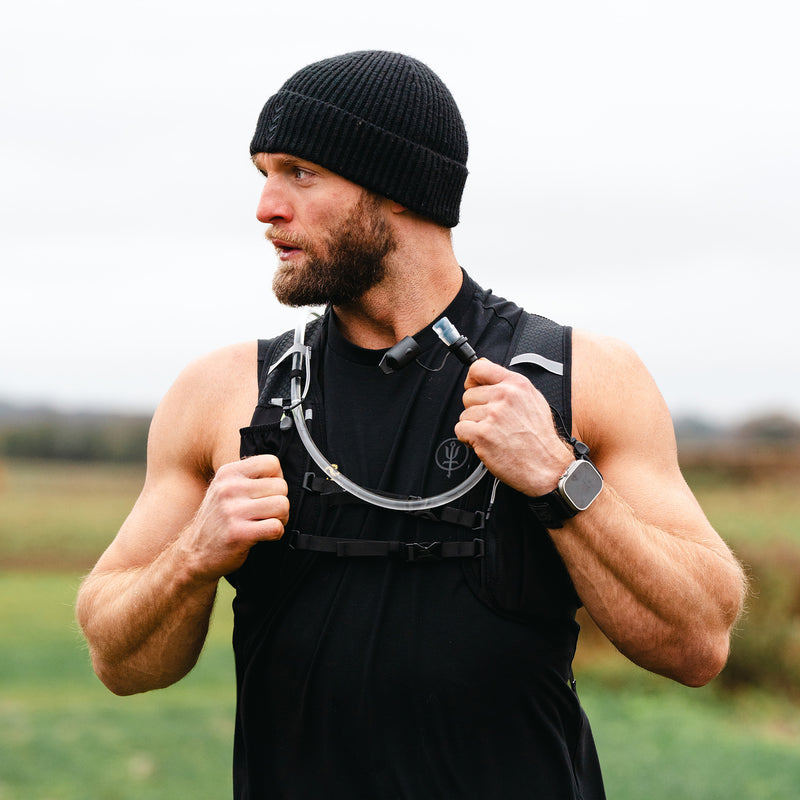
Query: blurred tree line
[{"x": 49, "y": 434}]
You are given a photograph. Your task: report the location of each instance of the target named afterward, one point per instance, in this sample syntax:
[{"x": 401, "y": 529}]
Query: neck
[
  {"x": 422, "y": 278},
  {"x": 401, "y": 305}
]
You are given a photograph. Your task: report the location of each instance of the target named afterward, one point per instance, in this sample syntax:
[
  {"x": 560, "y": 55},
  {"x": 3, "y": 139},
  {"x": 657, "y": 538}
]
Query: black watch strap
[{"x": 551, "y": 509}]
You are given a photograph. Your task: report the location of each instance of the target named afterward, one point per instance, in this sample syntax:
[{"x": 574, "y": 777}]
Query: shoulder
[
  {"x": 200, "y": 415},
  {"x": 217, "y": 370},
  {"x": 598, "y": 358},
  {"x": 615, "y": 400}
]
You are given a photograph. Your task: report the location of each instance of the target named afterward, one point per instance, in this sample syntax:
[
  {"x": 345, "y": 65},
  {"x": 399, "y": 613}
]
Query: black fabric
[
  {"x": 378, "y": 678},
  {"x": 382, "y": 120}
]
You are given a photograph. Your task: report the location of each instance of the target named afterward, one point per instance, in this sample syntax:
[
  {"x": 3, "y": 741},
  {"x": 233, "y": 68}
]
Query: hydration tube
[{"x": 373, "y": 498}]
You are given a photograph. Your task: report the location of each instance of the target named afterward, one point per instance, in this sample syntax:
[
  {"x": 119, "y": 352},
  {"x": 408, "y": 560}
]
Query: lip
[{"x": 285, "y": 250}]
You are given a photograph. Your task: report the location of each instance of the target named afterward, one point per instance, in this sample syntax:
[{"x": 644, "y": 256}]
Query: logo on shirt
[{"x": 451, "y": 455}]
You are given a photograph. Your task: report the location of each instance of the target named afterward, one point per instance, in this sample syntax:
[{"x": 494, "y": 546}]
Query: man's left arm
[{"x": 648, "y": 566}]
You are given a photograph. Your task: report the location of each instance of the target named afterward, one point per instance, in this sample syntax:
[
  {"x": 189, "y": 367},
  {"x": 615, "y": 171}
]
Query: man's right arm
[{"x": 145, "y": 606}]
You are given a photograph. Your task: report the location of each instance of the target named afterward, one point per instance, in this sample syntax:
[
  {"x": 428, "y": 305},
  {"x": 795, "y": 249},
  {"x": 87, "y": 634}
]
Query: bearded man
[{"x": 382, "y": 652}]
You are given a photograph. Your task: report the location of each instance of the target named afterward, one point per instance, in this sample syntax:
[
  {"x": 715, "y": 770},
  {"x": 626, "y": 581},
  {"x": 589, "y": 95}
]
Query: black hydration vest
[{"x": 318, "y": 684}]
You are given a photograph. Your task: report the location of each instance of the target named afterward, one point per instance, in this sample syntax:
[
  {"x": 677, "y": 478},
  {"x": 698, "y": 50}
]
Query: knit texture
[{"x": 382, "y": 120}]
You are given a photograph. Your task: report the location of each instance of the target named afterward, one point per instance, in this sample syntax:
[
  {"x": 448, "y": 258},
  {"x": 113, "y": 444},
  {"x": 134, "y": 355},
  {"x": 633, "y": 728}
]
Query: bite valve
[{"x": 455, "y": 342}]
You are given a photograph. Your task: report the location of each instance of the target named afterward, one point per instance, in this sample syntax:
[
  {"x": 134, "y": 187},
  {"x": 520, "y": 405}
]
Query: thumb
[{"x": 484, "y": 373}]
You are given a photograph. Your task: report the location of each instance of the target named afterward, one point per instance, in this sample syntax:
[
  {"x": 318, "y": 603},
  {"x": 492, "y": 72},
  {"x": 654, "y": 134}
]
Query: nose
[{"x": 273, "y": 204}]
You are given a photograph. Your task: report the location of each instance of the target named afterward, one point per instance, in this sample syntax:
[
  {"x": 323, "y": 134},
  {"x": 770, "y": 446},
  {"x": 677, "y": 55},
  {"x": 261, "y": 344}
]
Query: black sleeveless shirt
[{"x": 374, "y": 677}]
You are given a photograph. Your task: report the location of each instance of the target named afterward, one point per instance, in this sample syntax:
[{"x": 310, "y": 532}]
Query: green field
[
  {"x": 56, "y": 514},
  {"x": 64, "y": 737}
]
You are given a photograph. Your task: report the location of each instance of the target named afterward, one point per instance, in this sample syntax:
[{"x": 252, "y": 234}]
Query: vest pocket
[{"x": 266, "y": 438}]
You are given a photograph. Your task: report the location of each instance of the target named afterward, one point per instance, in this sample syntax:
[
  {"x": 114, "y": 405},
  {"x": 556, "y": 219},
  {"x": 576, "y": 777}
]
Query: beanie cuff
[{"x": 411, "y": 174}]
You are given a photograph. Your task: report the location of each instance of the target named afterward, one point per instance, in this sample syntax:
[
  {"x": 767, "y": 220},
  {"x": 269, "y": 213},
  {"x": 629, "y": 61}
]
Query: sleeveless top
[{"x": 383, "y": 677}]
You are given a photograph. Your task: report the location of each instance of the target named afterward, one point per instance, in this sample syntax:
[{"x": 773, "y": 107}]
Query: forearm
[
  {"x": 145, "y": 625},
  {"x": 666, "y": 599}
]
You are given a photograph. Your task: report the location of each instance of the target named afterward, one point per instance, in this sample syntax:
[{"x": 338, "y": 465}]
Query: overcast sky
[{"x": 634, "y": 170}]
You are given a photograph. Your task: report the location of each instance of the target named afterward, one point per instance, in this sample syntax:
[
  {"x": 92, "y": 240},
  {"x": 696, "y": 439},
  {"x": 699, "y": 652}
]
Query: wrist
[
  {"x": 188, "y": 569},
  {"x": 542, "y": 475},
  {"x": 577, "y": 488}
]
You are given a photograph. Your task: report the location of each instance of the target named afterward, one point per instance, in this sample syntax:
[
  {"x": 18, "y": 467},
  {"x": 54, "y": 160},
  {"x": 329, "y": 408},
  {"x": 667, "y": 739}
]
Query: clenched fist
[
  {"x": 509, "y": 425},
  {"x": 246, "y": 502}
]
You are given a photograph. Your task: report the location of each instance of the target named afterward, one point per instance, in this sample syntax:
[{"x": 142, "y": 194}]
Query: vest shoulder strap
[
  {"x": 540, "y": 349},
  {"x": 274, "y": 363}
]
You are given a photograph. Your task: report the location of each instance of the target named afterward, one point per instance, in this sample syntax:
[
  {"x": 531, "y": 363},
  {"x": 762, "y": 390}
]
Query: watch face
[{"x": 581, "y": 484}]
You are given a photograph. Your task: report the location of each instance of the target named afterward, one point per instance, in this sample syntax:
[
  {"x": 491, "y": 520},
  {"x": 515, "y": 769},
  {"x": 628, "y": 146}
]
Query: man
[{"x": 380, "y": 653}]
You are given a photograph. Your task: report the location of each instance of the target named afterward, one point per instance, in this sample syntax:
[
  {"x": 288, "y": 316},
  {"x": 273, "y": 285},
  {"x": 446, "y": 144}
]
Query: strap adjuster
[{"x": 423, "y": 551}]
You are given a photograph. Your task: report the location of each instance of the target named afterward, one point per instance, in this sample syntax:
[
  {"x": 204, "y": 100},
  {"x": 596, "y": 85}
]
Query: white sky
[{"x": 634, "y": 169}]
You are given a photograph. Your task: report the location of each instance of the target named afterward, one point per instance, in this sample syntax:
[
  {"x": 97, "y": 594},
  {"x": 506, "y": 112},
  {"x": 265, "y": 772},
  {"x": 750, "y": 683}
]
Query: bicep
[{"x": 621, "y": 415}]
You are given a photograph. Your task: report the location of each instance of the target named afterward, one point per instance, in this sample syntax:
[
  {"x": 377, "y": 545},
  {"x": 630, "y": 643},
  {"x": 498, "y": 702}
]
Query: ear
[{"x": 396, "y": 208}]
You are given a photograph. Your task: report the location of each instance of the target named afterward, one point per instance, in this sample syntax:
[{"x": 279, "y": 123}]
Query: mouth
[
  {"x": 285, "y": 251},
  {"x": 285, "y": 248}
]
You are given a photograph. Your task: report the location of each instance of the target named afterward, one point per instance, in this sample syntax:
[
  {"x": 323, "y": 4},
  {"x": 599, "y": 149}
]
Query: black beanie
[{"x": 382, "y": 120}]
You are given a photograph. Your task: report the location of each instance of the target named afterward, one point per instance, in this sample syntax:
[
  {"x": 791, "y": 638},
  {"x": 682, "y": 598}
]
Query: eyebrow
[{"x": 286, "y": 160}]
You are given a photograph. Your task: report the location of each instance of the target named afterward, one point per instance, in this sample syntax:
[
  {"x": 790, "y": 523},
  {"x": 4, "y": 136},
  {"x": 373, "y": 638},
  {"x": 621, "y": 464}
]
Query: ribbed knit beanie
[{"x": 382, "y": 120}]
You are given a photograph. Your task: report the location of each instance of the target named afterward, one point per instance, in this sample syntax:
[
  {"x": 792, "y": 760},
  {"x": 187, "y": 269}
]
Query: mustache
[{"x": 272, "y": 234}]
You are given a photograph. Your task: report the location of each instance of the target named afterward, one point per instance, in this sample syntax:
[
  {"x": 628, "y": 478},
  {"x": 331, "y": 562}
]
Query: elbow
[
  {"x": 698, "y": 657},
  {"x": 692, "y": 658},
  {"x": 708, "y": 650},
  {"x": 110, "y": 671},
  {"x": 116, "y": 685},
  {"x": 704, "y": 664},
  {"x": 114, "y": 677},
  {"x": 123, "y": 680}
]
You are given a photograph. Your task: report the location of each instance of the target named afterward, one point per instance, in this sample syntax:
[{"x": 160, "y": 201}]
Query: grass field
[
  {"x": 57, "y": 514},
  {"x": 64, "y": 737}
]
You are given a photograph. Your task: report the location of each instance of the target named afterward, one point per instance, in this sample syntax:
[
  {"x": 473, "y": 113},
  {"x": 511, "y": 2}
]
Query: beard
[{"x": 350, "y": 260}]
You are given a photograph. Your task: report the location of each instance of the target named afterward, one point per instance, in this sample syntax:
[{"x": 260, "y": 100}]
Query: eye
[{"x": 301, "y": 174}]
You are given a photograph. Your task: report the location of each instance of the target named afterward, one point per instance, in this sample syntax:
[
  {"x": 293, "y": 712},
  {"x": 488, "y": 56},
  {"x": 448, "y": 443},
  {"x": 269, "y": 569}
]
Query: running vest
[{"x": 388, "y": 654}]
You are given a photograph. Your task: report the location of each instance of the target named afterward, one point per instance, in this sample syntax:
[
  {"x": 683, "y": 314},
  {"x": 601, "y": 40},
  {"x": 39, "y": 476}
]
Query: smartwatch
[{"x": 577, "y": 489}]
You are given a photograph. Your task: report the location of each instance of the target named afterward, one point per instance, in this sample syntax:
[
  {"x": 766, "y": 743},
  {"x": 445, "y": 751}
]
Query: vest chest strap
[{"x": 404, "y": 551}]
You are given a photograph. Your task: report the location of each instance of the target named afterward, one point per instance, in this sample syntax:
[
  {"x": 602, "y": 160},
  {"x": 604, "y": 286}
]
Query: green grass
[
  {"x": 64, "y": 736},
  {"x": 664, "y": 741},
  {"x": 751, "y": 513},
  {"x": 55, "y": 513}
]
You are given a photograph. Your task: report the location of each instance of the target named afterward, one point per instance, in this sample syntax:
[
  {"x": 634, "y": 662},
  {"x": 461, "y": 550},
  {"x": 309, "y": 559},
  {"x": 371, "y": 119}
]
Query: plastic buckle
[
  {"x": 480, "y": 548},
  {"x": 423, "y": 551}
]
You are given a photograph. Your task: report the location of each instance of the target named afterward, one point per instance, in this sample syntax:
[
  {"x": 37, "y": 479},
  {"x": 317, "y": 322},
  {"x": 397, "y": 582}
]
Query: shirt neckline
[{"x": 425, "y": 338}]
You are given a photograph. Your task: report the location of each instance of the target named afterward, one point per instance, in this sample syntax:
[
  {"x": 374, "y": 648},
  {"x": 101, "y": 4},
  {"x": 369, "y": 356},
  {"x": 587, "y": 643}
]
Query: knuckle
[
  {"x": 271, "y": 464},
  {"x": 273, "y": 530}
]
